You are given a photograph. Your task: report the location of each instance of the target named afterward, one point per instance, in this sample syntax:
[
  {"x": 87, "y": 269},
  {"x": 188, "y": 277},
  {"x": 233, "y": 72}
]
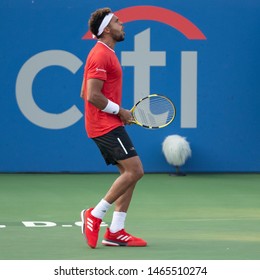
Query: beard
[{"x": 119, "y": 37}]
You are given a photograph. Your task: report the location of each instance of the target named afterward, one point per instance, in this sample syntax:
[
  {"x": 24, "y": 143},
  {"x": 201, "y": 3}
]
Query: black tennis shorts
[{"x": 115, "y": 145}]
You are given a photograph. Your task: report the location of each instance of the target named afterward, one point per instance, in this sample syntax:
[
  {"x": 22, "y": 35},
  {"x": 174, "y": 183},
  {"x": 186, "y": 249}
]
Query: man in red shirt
[{"x": 105, "y": 120}]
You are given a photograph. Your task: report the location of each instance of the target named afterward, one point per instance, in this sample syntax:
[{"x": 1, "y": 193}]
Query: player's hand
[{"x": 125, "y": 116}]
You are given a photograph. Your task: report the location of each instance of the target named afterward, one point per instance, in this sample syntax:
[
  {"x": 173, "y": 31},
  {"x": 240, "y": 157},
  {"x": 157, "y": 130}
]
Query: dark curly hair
[{"x": 96, "y": 19}]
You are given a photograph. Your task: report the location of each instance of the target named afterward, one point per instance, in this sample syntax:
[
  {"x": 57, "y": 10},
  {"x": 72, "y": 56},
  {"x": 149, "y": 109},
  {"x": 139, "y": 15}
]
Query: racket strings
[{"x": 144, "y": 117}]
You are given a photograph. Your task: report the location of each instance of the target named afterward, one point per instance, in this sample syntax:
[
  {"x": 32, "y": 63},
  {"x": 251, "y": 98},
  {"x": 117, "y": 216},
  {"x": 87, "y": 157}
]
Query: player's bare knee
[
  {"x": 133, "y": 176},
  {"x": 138, "y": 173}
]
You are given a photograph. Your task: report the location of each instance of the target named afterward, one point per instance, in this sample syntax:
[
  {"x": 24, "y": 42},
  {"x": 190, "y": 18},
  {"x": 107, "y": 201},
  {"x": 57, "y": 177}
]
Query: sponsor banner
[{"x": 201, "y": 55}]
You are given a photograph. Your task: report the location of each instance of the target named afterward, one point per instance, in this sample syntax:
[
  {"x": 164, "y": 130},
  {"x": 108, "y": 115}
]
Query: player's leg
[
  {"x": 121, "y": 193},
  {"x": 121, "y": 206},
  {"x": 131, "y": 171},
  {"x": 116, "y": 148},
  {"x": 116, "y": 234}
]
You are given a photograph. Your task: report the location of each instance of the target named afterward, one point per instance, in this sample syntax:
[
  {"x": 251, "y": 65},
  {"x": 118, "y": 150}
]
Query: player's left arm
[{"x": 82, "y": 91}]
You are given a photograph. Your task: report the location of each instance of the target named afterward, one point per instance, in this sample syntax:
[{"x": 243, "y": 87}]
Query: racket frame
[{"x": 153, "y": 127}]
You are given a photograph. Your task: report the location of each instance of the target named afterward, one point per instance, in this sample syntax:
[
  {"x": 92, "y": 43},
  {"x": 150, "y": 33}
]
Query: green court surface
[{"x": 196, "y": 217}]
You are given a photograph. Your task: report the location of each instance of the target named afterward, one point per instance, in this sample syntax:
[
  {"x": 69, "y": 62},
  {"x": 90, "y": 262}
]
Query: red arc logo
[{"x": 159, "y": 14}]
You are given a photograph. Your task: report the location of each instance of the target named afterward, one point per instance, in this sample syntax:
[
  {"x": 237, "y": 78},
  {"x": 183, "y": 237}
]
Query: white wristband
[{"x": 111, "y": 108}]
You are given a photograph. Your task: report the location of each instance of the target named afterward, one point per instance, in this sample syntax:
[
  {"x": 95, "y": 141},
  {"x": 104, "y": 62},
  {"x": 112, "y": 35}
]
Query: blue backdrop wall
[{"x": 203, "y": 54}]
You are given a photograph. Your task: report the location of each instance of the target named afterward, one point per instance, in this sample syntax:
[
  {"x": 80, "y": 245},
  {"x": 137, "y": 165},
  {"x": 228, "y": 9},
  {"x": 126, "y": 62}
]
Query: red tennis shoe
[
  {"x": 122, "y": 238},
  {"x": 90, "y": 227}
]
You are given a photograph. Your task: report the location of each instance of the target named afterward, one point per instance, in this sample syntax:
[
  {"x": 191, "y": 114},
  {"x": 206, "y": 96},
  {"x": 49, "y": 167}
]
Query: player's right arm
[
  {"x": 97, "y": 98},
  {"x": 95, "y": 95}
]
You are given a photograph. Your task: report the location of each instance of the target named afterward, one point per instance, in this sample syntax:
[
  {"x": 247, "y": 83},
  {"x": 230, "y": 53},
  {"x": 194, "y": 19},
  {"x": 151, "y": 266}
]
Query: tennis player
[{"x": 104, "y": 121}]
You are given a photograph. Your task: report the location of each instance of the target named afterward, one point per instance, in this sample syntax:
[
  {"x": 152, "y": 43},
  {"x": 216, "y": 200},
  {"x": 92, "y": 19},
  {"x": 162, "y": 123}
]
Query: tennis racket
[{"x": 153, "y": 111}]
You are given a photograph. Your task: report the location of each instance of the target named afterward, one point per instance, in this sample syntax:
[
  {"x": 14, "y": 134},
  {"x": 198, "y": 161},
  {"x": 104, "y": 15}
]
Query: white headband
[{"x": 104, "y": 23}]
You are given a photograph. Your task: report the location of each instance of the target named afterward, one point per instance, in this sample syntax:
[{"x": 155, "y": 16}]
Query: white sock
[
  {"x": 101, "y": 209},
  {"x": 118, "y": 221}
]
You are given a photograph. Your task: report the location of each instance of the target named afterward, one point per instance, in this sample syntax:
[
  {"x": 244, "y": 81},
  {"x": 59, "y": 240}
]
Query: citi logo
[{"x": 142, "y": 58}]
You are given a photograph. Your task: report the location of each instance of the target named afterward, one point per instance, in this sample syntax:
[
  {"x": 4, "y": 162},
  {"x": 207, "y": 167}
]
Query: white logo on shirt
[{"x": 101, "y": 70}]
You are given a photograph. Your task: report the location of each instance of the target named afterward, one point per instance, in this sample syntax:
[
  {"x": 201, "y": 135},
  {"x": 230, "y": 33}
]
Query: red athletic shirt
[{"x": 102, "y": 63}]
